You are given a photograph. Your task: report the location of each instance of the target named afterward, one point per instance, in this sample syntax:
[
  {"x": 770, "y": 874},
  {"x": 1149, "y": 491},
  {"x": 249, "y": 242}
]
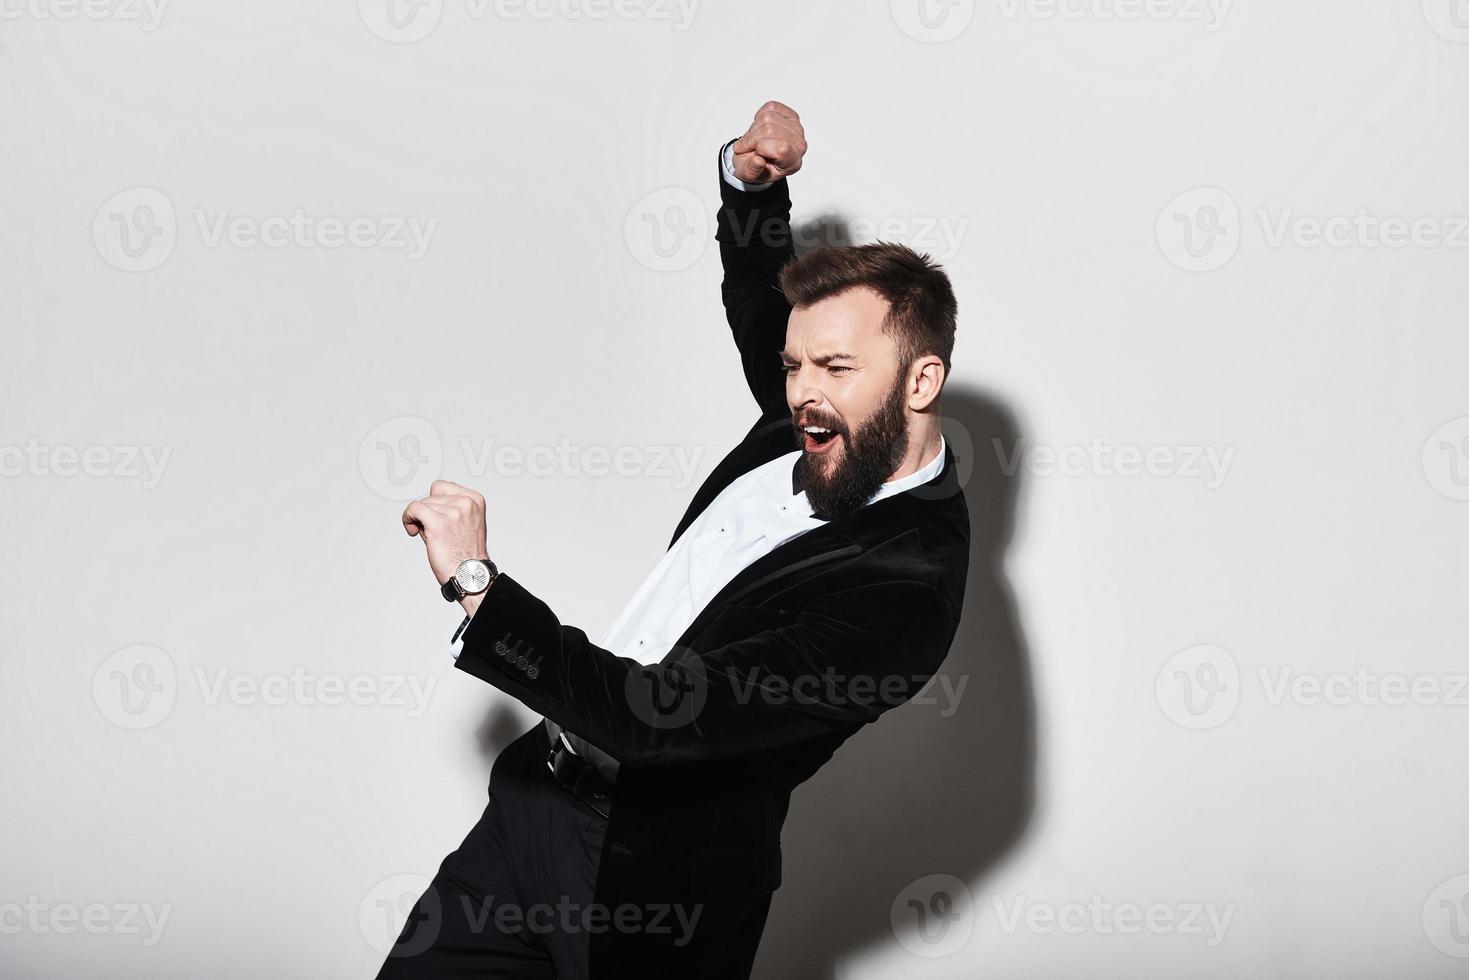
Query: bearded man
[{"x": 814, "y": 582}]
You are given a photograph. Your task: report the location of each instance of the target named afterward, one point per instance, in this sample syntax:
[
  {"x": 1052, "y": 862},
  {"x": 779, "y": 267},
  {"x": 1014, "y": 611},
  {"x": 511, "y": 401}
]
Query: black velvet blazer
[{"x": 793, "y": 656}]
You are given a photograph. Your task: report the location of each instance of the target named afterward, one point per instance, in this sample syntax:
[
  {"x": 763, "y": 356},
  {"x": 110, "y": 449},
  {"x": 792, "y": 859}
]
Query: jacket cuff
[
  {"x": 774, "y": 196},
  {"x": 726, "y": 160},
  {"x": 504, "y": 637}
]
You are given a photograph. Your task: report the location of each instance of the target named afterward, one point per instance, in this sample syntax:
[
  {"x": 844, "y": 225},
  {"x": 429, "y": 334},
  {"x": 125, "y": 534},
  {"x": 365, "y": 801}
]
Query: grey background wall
[{"x": 269, "y": 268}]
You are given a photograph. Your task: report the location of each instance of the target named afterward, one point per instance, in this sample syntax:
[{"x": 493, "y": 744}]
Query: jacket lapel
[{"x": 816, "y": 547}]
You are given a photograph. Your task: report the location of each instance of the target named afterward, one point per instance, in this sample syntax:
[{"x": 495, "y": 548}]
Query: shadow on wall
[{"x": 919, "y": 792}]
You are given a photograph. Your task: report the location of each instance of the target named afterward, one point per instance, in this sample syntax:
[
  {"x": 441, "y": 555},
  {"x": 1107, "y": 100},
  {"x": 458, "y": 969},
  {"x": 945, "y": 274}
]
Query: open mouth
[{"x": 818, "y": 439}]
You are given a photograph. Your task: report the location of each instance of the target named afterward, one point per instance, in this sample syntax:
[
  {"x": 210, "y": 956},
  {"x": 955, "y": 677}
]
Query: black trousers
[
  {"x": 516, "y": 898},
  {"x": 510, "y": 901}
]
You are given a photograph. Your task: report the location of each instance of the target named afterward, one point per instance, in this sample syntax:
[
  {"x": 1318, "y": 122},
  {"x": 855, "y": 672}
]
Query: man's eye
[
  {"x": 789, "y": 368},
  {"x": 838, "y": 369}
]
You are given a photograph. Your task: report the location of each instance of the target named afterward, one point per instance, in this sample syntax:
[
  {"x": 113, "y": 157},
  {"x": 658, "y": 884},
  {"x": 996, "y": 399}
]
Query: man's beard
[{"x": 868, "y": 459}]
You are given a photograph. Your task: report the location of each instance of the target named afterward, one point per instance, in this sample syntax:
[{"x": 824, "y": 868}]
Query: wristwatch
[{"x": 472, "y": 577}]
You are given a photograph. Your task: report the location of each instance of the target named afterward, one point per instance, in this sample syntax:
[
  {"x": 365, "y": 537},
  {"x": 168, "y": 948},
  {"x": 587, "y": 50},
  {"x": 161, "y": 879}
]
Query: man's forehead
[{"x": 852, "y": 338}]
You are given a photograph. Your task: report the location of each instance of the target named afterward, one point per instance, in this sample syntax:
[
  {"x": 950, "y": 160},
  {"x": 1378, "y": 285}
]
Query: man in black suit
[{"x": 807, "y": 589}]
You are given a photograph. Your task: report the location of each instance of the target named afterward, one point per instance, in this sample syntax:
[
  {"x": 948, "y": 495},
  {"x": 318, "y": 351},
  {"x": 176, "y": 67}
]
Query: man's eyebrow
[{"x": 821, "y": 359}]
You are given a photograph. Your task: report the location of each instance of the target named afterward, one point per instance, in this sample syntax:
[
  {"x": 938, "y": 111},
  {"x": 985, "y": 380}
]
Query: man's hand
[
  {"x": 772, "y": 147},
  {"x": 451, "y": 521}
]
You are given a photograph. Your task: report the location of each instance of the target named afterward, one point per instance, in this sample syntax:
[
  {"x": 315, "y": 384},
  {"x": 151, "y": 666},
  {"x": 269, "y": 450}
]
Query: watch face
[{"x": 473, "y": 576}]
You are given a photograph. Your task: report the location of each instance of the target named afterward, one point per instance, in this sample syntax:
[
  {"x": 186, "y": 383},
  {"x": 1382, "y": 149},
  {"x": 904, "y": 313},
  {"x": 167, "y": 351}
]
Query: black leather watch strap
[{"x": 451, "y": 590}]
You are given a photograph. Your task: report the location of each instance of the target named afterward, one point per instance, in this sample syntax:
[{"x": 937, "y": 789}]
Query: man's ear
[{"x": 925, "y": 380}]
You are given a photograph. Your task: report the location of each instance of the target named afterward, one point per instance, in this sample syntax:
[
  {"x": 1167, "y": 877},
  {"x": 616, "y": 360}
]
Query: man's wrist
[
  {"x": 471, "y": 603},
  {"x": 726, "y": 157}
]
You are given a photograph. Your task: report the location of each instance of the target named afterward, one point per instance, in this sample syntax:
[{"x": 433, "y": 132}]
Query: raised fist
[{"x": 772, "y": 147}]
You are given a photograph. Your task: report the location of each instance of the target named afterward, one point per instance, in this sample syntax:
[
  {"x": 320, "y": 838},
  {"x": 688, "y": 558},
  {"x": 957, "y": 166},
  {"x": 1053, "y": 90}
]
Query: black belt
[{"x": 581, "y": 778}]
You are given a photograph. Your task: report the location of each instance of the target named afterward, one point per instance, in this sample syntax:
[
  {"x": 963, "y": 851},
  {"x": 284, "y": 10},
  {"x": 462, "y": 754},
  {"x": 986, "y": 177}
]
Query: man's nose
[{"x": 801, "y": 391}]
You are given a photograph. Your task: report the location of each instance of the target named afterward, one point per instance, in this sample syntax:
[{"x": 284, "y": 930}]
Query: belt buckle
[
  {"x": 565, "y": 746},
  {"x": 584, "y": 768}
]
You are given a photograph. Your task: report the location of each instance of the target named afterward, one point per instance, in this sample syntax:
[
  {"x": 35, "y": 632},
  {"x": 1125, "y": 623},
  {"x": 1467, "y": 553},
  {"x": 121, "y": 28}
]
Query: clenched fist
[
  {"x": 451, "y": 521},
  {"x": 772, "y": 147}
]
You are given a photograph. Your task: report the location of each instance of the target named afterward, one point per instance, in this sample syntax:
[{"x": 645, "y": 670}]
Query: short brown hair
[{"x": 922, "y": 311}]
